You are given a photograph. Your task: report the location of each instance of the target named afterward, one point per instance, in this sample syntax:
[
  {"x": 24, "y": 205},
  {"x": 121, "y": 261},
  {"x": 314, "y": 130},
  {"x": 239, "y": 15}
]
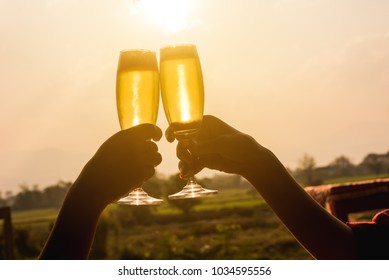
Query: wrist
[
  {"x": 81, "y": 198},
  {"x": 264, "y": 167}
]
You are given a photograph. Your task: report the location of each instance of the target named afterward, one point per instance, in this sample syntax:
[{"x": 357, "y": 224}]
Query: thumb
[{"x": 169, "y": 134}]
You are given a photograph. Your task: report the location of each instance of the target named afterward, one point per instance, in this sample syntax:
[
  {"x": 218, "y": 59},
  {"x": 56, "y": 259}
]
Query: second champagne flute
[
  {"x": 183, "y": 100},
  {"x": 137, "y": 99}
]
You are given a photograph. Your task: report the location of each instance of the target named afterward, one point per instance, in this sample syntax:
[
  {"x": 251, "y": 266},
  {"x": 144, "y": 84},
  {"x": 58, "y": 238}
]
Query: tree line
[
  {"x": 307, "y": 173},
  {"x": 33, "y": 197}
]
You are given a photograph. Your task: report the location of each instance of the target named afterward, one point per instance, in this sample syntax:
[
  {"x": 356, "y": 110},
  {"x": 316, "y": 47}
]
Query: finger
[
  {"x": 157, "y": 159},
  {"x": 183, "y": 168},
  {"x": 183, "y": 153},
  {"x": 157, "y": 134},
  {"x": 169, "y": 134},
  {"x": 148, "y": 172},
  {"x": 152, "y": 159},
  {"x": 189, "y": 169},
  {"x": 150, "y": 147},
  {"x": 146, "y": 131}
]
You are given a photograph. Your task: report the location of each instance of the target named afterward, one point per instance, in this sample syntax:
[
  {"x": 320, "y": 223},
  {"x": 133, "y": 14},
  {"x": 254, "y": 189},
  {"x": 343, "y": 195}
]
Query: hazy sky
[{"x": 299, "y": 76}]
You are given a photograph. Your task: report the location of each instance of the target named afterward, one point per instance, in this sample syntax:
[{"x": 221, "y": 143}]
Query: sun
[{"x": 168, "y": 15}]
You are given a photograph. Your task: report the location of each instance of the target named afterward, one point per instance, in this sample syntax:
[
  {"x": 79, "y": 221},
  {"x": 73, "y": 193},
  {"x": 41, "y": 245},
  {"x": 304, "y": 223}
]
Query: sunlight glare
[
  {"x": 182, "y": 89},
  {"x": 135, "y": 100},
  {"x": 168, "y": 15}
]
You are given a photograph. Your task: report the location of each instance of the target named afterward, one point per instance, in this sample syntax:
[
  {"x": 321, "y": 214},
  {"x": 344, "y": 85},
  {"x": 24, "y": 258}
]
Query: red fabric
[{"x": 372, "y": 238}]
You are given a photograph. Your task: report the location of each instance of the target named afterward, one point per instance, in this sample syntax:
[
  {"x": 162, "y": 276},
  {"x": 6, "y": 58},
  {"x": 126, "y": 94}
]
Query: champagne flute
[
  {"x": 137, "y": 100},
  {"x": 183, "y": 100}
]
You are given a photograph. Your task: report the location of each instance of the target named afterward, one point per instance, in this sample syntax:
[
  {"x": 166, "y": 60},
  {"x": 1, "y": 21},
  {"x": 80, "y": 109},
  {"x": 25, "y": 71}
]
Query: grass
[
  {"x": 233, "y": 204},
  {"x": 228, "y": 198},
  {"x": 235, "y": 224},
  {"x": 343, "y": 180},
  {"x": 38, "y": 216},
  {"x": 224, "y": 234}
]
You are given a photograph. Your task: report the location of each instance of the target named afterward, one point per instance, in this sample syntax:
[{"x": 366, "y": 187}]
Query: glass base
[
  {"x": 138, "y": 197},
  {"x": 192, "y": 190}
]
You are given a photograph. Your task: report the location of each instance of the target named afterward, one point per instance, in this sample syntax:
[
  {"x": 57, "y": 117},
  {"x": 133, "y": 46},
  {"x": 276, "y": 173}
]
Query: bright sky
[{"x": 303, "y": 76}]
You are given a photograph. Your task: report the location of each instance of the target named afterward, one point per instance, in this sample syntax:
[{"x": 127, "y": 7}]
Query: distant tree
[
  {"x": 305, "y": 171},
  {"x": 385, "y": 159},
  {"x": 225, "y": 181},
  {"x": 6, "y": 200},
  {"x": 373, "y": 163},
  {"x": 53, "y": 196},
  {"x": 2, "y": 200},
  {"x": 307, "y": 162},
  {"x": 34, "y": 198},
  {"x": 342, "y": 166},
  {"x": 28, "y": 198}
]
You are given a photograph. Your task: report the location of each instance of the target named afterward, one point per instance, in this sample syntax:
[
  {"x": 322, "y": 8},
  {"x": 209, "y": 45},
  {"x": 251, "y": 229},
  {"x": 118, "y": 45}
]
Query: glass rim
[
  {"x": 137, "y": 59},
  {"x": 179, "y": 45},
  {"x": 178, "y": 51},
  {"x": 137, "y": 51}
]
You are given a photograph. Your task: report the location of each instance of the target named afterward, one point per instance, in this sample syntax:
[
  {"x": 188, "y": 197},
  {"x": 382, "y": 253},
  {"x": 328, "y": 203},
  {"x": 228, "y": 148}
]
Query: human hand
[
  {"x": 218, "y": 146},
  {"x": 121, "y": 164}
]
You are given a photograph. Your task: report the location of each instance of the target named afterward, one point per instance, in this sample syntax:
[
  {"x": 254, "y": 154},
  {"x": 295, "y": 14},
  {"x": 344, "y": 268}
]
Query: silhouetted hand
[
  {"x": 218, "y": 146},
  {"x": 121, "y": 164}
]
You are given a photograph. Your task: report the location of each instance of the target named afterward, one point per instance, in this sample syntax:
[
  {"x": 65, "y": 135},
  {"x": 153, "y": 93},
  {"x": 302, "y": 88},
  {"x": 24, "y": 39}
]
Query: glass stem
[{"x": 191, "y": 181}]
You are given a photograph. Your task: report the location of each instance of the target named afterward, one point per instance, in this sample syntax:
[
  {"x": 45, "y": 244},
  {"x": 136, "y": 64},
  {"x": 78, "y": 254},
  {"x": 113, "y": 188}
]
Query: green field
[
  {"x": 235, "y": 224},
  {"x": 354, "y": 179},
  {"x": 40, "y": 216}
]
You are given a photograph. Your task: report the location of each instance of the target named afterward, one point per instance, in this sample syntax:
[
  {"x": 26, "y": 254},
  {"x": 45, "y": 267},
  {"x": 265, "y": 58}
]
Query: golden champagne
[
  {"x": 137, "y": 100},
  {"x": 137, "y": 88},
  {"x": 182, "y": 89}
]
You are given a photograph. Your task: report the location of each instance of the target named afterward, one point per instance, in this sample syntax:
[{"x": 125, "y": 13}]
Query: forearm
[
  {"x": 73, "y": 232},
  {"x": 322, "y": 234}
]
